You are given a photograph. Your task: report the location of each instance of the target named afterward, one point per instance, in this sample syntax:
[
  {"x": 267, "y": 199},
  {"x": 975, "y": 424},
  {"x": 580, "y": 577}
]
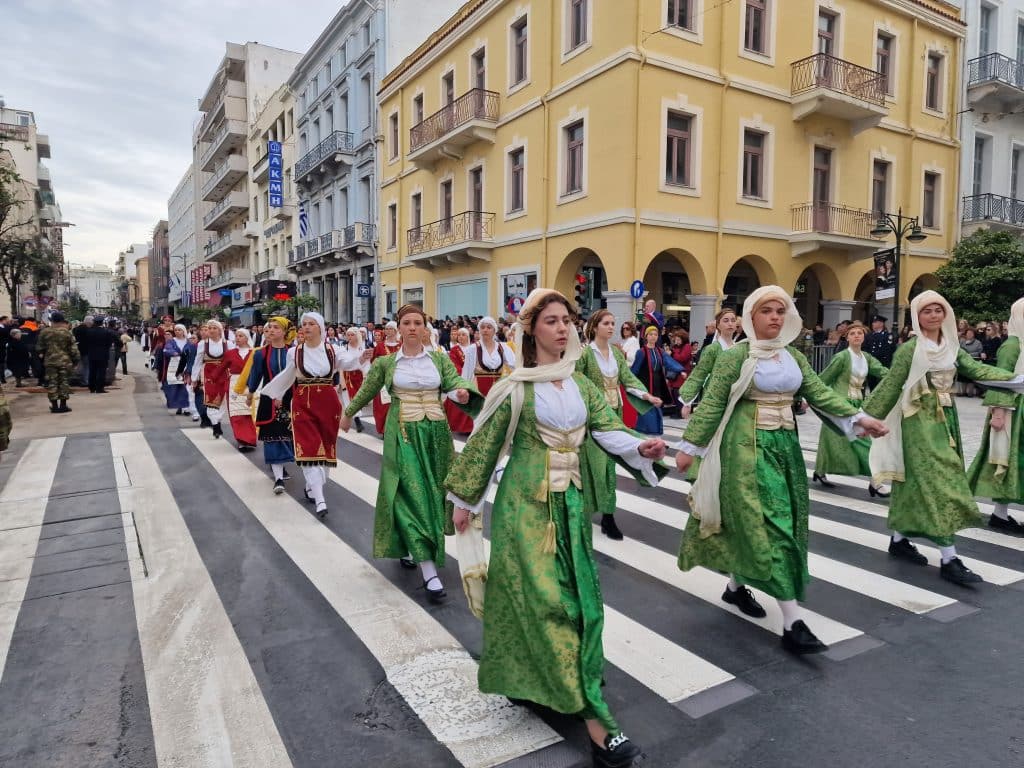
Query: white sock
[
  {"x": 948, "y": 553},
  {"x": 278, "y": 471},
  {"x": 897, "y": 537},
  {"x": 315, "y": 484},
  {"x": 790, "y": 612},
  {"x": 429, "y": 571},
  {"x": 214, "y": 415},
  {"x": 1002, "y": 511},
  {"x": 733, "y": 584}
]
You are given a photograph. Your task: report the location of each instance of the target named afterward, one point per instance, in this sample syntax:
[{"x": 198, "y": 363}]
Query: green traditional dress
[
  {"x": 701, "y": 374},
  {"x": 933, "y": 500},
  {"x": 836, "y": 454},
  {"x": 1007, "y": 486},
  {"x": 763, "y": 490},
  {"x": 412, "y": 516},
  {"x": 608, "y": 376},
  {"x": 543, "y": 610}
]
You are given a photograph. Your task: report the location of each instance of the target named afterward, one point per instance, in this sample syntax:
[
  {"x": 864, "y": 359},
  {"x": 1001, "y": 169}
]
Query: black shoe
[
  {"x": 1009, "y": 525},
  {"x": 408, "y": 563},
  {"x": 609, "y": 528},
  {"x": 321, "y": 512},
  {"x": 359, "y": 425},
  {"x": 179, "y": 412},
  {"x": 278, "y": 487},
  {"x": 436, "y": 595},
  {"x": 904, "y": 549},
  {"x": 310, "y": 499},
  {"x": 101, "y": 391},
  {"x": 217, "y": 431},
  {"x": 286, "y": 476},
  {"x": 618, "y": 752},
  {"x": 63, "y": 407},
  {"x": 205, "y": 423},
  {"x": 54, "y": 408},
  {"x": 823, "y": 479},
  {"x": 744, "y": 599},
  {"x": 877, "y": 492},
  {"x": 958, "y": 573},
  {"x": 801, "y": 641}
]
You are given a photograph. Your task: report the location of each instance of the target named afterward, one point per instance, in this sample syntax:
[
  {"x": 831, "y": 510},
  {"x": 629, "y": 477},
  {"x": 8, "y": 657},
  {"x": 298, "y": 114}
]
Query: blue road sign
[
  {"x": 363, "y": 290},
  {"x": 636, "y": 290}
]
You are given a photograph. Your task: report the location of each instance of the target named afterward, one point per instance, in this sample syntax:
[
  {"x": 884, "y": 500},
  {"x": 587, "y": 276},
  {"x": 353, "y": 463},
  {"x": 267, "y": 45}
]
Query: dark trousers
[
  {"x": 97, "y": 374},
  {"x": 124, "y": 363}
]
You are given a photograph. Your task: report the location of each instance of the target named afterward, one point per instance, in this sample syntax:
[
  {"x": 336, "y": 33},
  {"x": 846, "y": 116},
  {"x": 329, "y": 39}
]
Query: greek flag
[{"x": 303, "y": 220}]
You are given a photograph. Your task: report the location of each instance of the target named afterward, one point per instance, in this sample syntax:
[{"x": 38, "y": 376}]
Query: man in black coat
[
  {"x": 880, "y": 343},
  {"x": 98, "y": 343}
]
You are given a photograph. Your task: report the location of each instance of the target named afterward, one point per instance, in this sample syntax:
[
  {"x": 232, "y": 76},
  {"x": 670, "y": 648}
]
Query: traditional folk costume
[
  {"x": 653, "y": 368},
  {"x": 611, "y": 375},
  {"x": 701, "y": 374},
  {"x": 846, "y": 374},
  {"x": 485, "y": 366},
  {"x": 458, "y": 422},
  {"x": 923, "y": 455},
  {"x": 750, "y": 501},
  {"x": 173, "y": 385},
  {"x": 310, "y": 375},
  {"x": 383, "y": 400},
  {"x": 997, "y": 472},
  {"x": 412, "y": 517},
  {"x": 353, "y": 371},
  {"x": 543, "y": 612},
  {"x": 239, "y": 411},
  {"x": 210, "y": 371}
]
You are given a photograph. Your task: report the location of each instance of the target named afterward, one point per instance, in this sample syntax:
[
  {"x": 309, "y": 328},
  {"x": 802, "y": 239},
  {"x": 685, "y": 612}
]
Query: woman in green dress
[
  {"x": 997, "y": 472},
  {"x": 923, "y": 455},
  {"x": 543, "y": 612},
  {"x": 846, "y": 373},
  {"x": 749, "y": 502},
  {"x": 412, "y": 517},
  {"x": 725, "y": 331},
  {"x": 606, "y": 367}
]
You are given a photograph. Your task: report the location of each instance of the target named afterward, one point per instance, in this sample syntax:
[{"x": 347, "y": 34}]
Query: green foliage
[
  {"x": 193, "y": 315},
  {"x": 75, "y": 306},
  {"x": 984, "y": 276},
  {"x": 291, "y": 308}
]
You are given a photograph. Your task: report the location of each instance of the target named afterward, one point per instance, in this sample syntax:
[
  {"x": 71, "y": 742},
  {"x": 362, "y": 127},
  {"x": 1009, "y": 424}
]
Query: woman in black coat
[{"x": 19, "y": 357}]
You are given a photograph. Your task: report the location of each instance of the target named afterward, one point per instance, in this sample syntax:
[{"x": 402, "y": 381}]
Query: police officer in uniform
[
  {"x": 880, "y": 344},
  {"x": 59, "y": 351}
]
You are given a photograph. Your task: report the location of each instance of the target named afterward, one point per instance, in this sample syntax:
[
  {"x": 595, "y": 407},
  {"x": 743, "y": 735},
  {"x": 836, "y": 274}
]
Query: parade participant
[
  {"x": 923, "y": 455},
  {"x": 388, "y": 346},
  {"x": 653, "y": 367},
  {"x": 997, "y": 471},
  {"x": 725, "y": 331},
  {"x": 412, "y": 517},
  {"x": 355, "y": 364},
  {"x": 60, "y": 355},
  {"x": 606, "y": 368},
  {"x": 316, "y": 410},
  {"x": 274, "y": 425},
  {"x": 210, "y": 371},
  {"x": 239, "y": 411},
  {"x": 459, "y": 422},
  {"x": 750, "y": 501},
  {"x": 171, "y": 382},
  {"x": 847, "y": 374},
  {"x": 486, "y": 359},
  {"x": 543, "y": 613}
]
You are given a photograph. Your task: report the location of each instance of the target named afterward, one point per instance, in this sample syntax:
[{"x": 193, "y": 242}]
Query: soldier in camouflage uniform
[{"x": 60, "y": 354}]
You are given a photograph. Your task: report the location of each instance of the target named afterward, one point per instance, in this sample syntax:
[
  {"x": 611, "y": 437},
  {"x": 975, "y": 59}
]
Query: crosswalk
[{"x": 235, "y": 589}]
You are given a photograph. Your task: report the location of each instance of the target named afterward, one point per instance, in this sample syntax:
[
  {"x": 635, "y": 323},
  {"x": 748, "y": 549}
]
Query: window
[
  {"x": 366, "y": 35},
  {"x": 879, "y": 187},
  {"x": 680, "y": 14},
  {"x": 827, "y": 23},
  {"x": 1020, "y": 41},
  {"x": 392, "y": 225},
  {"x": 327, "y": 71},
  {"x": 517, "y": 179},
  {"x": 446, "y": 206},
  {"x": 883, "y": 61},
  {"x": 480, "y": 69},
  {"x": 366, "y": 99},
  {"x": 417, "y": 109},
  {"x": 677, "y": 150},
  {"x": 753, "y": 164},
  {"x": 448, "y": 86},
  {"x": 24, "y": 119},
  {"x": 393, "y": 135},
  {"x": 933, "y": 83},
  {"x": 574, "y": 158},
  {"x": 1014, "y": 172},
  {"x": 984, "y": 30},
  {"x": 755, "y": 28},
  {"x": 520, "y": 52},
  {"x": 979, "y": 165},
  {"x": 929, "y": 213},
  {"x": 577, "y": 23},
  {"x": 417, "y": 214}
]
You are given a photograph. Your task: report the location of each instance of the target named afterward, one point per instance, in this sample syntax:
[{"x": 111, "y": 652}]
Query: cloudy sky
[{"x": 114, "y": 83}]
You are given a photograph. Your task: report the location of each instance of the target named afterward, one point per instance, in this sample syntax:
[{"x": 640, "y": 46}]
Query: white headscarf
[
  {"x": 886, "y": 457},
  {"x": 488, "y": 320},
  {"x": 705, "y": 501},
  {"x": 319, "y": 321},
  {"x": 245, "y": 332},
  {"x": 182, "y": 327}
]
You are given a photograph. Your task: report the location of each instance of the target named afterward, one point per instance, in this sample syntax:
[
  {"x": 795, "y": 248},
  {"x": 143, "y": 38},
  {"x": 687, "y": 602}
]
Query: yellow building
[{"x": 701, "y": 147}]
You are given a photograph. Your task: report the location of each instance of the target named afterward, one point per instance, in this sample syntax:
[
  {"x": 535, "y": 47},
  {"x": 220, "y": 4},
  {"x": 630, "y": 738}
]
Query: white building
[
  {"x": 94, "y": 283},
  {"x": 181, "y": 235},
  {"x": 992, "y": 127}
]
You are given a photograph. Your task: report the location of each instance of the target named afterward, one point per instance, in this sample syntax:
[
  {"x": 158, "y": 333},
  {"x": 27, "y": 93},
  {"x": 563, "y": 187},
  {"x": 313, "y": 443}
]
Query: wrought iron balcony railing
[
  {"x": 833, "y": 219},
  {"x": 466, "y": 227},
  {"x": 475, "y": 104},
  {"x": 995, "y": 67},
  {"x": 824, "y": 71},
  {"x": 339, "y": 141},
  {"x": 360, "y": 233},
  {"x": 990, "y": 207}
]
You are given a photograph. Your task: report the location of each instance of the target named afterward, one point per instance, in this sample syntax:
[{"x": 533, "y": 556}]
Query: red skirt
[
  {"x": 484, "y": 383},
  {"x": 244, "y": 429},
  {"x": 380, "y": 414},
  {"x": 353, "y": 381},
  {"x": 316, "y": 418},
  {"x": 216, "y": 378},
  {"x": 458, "y": 420},
  {"x": 629, "y": 414}
]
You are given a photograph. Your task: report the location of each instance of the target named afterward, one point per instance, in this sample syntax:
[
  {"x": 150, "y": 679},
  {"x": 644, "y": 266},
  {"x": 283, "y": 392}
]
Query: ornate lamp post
[{"x": 902, "y": 227}]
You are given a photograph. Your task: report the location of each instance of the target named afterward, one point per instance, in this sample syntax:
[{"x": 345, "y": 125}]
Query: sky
[{"x": 115, "y": 83}]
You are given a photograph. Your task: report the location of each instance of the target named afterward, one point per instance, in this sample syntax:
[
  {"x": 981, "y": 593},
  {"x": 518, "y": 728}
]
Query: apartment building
[
  {"x": 159, "y": 270},
  {"x": 94, "y": 283},
  {"x": 704, "y": 148},
  {"x": 245, "y": 80},
  {"x": 181, "y": 239},
  {"x": 142, "y": 278},
  {"x": 126, "y": 282}
]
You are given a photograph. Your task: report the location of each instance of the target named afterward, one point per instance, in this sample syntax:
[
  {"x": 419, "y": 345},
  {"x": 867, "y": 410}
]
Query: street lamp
[{"x": 901, "y": 226}]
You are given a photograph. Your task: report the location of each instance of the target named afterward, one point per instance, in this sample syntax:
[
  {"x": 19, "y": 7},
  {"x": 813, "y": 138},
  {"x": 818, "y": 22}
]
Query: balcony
[
  {"x": 232, "y": 244},
  {"x": 252, "y": 230},
  {"x": 470, "y": 118},
  {"x": 224, "y": 177},
  {"x": 286, "y": 211},
  {"x": 335, "y": 150},
  {"x": 297, "y": 254},
  {"x": 455, "y": 240},
  {"x": 261, "y": 169},
  {"x": 232, "y": 278},
  {"x": 229, "y": 138},
  {"x": 43, "y": 145},
  {"x": 359, "y": 239},
  {"x": 232, "y": 67},
  {"x": 12, "y": 132},
  {"x": 230, "y": 104},
  {"x": 226, "y": 210},
  {"x": 825, "y": 85},
  {"x": 995, "y": 81},
  {"x": 837, "y": 227},
  {"x": 44, "y": 178},
  {"x": 992, "y": 211}
]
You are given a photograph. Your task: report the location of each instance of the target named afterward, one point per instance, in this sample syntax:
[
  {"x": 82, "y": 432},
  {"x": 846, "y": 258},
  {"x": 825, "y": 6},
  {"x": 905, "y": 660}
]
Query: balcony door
[
  {"x": 827, "y": 24},
  {"x": 476, "y": 187},
  {"x": 446, "y": 206},
  {"x": 448, "y": 85},
  {"x": 479, "y": 81},
  {"x": 822, "y": 190}
]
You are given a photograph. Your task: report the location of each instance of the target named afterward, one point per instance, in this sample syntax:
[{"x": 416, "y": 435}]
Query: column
[
  {"x": 702, "y": 312},
  {"x": 345, "y": 297},
  {"x": 835, "y": 311},
  {"x": 620, "y": 304}
]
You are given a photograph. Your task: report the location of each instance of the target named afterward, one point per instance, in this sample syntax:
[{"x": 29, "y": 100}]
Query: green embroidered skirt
[{"x": 839, "y": 456}]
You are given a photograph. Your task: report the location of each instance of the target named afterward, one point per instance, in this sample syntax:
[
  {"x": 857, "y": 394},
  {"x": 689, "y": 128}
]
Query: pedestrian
[
  {"x": 60, "y": 355},
  {"x": 725, "y": 331},
  {"x": 6, "y": 423},
  {"x": 543, "y": 613},
  {"x": 923, "y": 455},
  {"x": 5, "y": 336},
  {"x": 880, "y": 343},
  {"x": 98, "y": 343},
  {"x": 18, "y": 357},
  {"x": 653, "y": 368},
  {"x": 750, "y": 501},
  {"x": 30, "y": 338},
  {"x": 652, "y": 316},
  {"x": 238, "y": 406},
  {"x": 171, "y": 381},
  {"x": 210, "y": 372},
  {"x": 126, "y": 339}
]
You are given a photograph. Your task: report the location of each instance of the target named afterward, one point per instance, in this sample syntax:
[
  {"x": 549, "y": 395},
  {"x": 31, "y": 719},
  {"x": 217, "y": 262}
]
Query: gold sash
[
  {"x": 419, "y": 404},
  {"x": 772, "y": 413},
  {"x": 856, "y": 387},
  {"x": 563, "y": 461},
  {"x": 611, "y": 391}
]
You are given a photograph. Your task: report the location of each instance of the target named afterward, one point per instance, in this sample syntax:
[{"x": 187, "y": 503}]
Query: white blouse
[
  {"x": 314, "y": 360},
  {"x": 417, "y": 372},
  {"x": 501, "y": 355},
  {"x": 217, "y": 349},
  {"x": 348, "y": 359},
  {"x": 858, "y": 364},
  {"x": 610, "y": 367}
]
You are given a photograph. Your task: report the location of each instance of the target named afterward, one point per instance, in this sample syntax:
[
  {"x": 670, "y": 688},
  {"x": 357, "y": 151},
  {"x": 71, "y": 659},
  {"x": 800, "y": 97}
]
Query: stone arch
[
  {"x": 818, "y": 282},
  {"x": 669, "y": 278},
  {"x": 583, "y": 261},
  {"x": 746, "y": 275},
  {"x": 864, "y": 295},
  {"x": 922, "y": 283}
]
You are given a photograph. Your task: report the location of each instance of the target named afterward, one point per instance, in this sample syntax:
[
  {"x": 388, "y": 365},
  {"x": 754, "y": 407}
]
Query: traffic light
[{"x": 582, "y": 287}]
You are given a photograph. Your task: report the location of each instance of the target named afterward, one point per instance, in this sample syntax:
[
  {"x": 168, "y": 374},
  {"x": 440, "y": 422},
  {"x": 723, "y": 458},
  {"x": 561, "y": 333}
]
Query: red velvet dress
[
  {"x": 459, "y": 421},
  {"x": 380, "y": 408},
  {"x": 238, "y": 410}
]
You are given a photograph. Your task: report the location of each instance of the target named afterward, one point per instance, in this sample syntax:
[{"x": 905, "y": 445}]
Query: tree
[
  {"x": 984, "y": 276},
  {"x": 23, "y": 259},
  {"x": 291, "y": 308},
  {"x": 75, "y": 305}
]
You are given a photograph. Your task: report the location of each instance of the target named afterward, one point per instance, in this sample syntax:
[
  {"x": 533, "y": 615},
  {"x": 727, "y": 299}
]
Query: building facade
[
  {"x": 703, "y": 148},
  {"x": 126, "y": 282},
  {"x": 142, "y": 278},
  {"x": 94, "y": 283},
  {"x": 159, "y": 270},
  {"x": 181, "y": 238}
]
